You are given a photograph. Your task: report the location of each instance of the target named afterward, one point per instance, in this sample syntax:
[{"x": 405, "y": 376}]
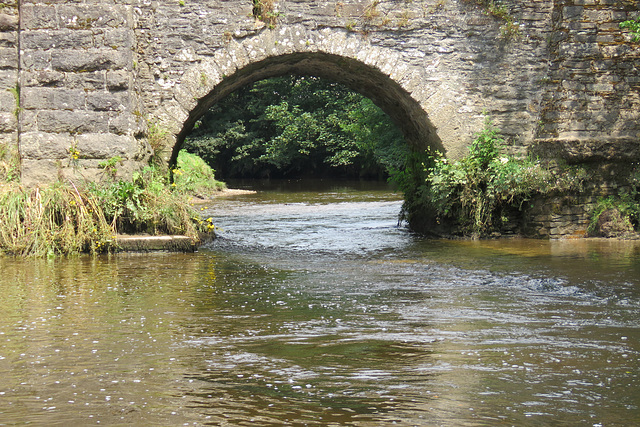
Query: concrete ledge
[{"x": 156, "y": 243}]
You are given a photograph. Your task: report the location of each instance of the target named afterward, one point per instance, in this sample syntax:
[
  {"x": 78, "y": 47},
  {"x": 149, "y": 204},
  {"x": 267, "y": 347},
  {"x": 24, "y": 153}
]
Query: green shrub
[
  {"x": 634, "y": 28},
  {"x": 195, "y": 177},
  {"x": 146, "y": 204},
  {"x": 477, "y": 194},
  {"x": 615, "y": 216}
]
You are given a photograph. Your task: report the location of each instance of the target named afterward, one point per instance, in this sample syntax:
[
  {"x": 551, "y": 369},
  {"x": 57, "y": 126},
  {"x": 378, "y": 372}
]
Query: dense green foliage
[
  {"x": 297, "y": 126},
  {"x": 477, "y": 194},
  {"x": 194, "y": 176},
  {"x": 634, "y": 28}
]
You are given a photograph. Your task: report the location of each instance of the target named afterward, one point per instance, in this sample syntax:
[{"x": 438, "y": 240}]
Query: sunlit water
[{"x": 315, "y": 308}]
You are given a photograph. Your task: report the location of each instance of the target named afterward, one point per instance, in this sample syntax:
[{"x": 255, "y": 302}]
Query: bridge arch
[{"x": 398, "y": 88}]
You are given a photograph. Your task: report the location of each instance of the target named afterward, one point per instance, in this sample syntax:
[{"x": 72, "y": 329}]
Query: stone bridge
[{"x": 85, "y": 81}]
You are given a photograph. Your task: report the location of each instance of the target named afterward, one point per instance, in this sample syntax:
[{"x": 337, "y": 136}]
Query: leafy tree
[{"x": 296, "y": 126}]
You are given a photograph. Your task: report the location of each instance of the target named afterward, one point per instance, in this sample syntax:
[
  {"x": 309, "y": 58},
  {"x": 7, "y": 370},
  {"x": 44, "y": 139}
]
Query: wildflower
[{"x": 504, "y": 160}]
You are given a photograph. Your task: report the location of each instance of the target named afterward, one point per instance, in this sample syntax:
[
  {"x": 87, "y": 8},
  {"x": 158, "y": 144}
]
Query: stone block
[
  {"x": 88, "y": 16},
  {"x": 105, "y": 101},
  {"x": 38, "y": 16},
  {"x": 8, "y": 22},
  {"x": 35, "y": 60},
  {"x": 39, "y": 98},
  {"x": 117, "y": 39},
  {"x": 43, "y": 146},
  {"x": 74, "y": 122},
  {"x": 56, "y": 39},
  {"x": 89, "y": 60},
  {"x": 8, "y": 122},
  {"x": 117, "y": 80},
  {"x": 39, "y": 172},
  {"x": 122, "y": 123},
  {"x": 8, "y": 40},
  {"x": 8, "y": 58},
  {"x": 7, "y": 101},
  {"x": 9, "y": 141},
  {"x": 106, "y": 146},
  {"x": 43, "y": 78},
  {"x": 91, "y": 80}
]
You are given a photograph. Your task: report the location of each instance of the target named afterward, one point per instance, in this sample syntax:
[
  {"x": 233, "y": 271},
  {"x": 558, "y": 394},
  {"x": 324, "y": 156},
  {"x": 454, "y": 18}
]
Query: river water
[{"x": 315, "y": 308}]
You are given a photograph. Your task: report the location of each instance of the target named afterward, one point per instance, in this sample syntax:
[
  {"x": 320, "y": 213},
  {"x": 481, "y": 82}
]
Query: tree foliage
[{"x": 295, "y": 126}]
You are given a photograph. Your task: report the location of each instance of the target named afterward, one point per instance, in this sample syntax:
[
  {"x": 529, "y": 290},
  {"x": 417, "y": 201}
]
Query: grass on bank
[
  {"x": 66, "y": 218},
  {"x": 480, "y": 193}
]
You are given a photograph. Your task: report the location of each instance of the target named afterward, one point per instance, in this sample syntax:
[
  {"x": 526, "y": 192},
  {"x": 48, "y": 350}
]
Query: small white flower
[{"x": 504, "y": 160}]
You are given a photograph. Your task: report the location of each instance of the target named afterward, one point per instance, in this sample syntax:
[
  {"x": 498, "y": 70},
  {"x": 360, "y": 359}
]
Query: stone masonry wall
[
  {"x": 9, "y": 108},
  {"x": 79, "y": 103},
  {"x": 590, "y": 112}
]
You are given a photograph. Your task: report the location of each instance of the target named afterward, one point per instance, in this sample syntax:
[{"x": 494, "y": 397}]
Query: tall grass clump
[
  {"x": 619, "y": 215},
  {"x": 58, "y": 219}
]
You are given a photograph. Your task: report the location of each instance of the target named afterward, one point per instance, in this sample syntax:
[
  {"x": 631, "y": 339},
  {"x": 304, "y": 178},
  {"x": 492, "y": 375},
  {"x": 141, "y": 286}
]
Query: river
[{"x": 315, "y": 308}]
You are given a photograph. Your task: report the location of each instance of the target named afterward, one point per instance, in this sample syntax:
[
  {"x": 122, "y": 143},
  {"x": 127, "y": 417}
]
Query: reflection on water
[{"x": 314, "y": 308}]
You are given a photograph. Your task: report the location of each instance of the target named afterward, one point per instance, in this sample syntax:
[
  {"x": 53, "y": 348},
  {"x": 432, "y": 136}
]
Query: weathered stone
[
  {"x": 38, "y": 172},
  {"x": 105, "y": 101},
  {"x": 43, "y": 146},
  {"x": 35, "y": 17},
  {"x": 35, "y": 60},
  {"x": 57, "y": 39},
  {"x": 8, "y": 58},
  {"x": 9, "y": 40},
  {"x": 571, "y": 81},
  {"x": 8, "y": 22},
  {"x": 74, "y": 122},
  {"x": 8, "y": 121},
  {"x": 43, "y": 78},
  {"x": 117, "y": 80},
  {"x": 52, "y": 99},
  {"x": 122, "y": 123},
  {"x": 85, "y": 16},
  {"x": 105, "y": 146},
  {"x": 79, "y": 61},
  {"x": 7, "y": 101},
  {"x": 91, "y": 80}
]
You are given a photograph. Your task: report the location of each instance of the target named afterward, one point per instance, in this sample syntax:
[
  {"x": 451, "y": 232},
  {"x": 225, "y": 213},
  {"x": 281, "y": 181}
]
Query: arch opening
[
  {"x": 383, "y": 91},
  {"x": 297, "y": 127}
]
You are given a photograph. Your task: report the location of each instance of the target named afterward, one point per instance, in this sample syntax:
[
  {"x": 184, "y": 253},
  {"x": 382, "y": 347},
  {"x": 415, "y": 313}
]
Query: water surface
[{"x": 315, "y": 308}]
